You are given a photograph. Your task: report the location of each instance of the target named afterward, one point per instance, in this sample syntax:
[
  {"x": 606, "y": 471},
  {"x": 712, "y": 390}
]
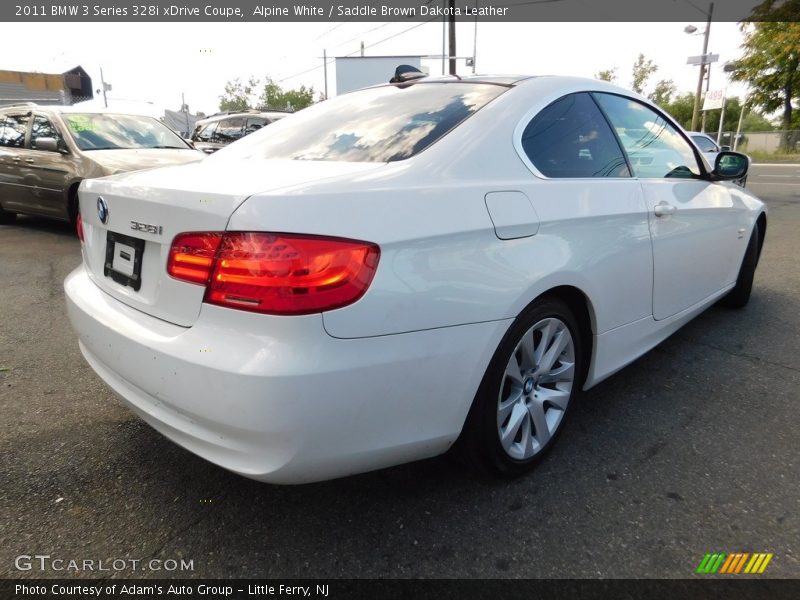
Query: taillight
[
  {"x": 79, "y": 226},
  {"x": 191, "y": 256},
  {"x": 282, "y": 274}
]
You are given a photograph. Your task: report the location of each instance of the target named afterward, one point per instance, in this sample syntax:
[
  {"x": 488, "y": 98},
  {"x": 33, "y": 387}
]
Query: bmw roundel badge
[{"x": 102, "y": 210}]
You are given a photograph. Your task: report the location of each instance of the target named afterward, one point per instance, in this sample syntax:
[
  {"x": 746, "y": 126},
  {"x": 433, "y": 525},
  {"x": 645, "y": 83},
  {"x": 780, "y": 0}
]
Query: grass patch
[{"x": 759, "y": 155}]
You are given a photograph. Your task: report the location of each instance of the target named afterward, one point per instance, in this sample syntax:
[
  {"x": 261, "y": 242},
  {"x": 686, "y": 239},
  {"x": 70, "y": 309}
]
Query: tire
[
  {"x": 73, "y": 207},
  {"x": 520, "y": 408},
  {"x": 739, "y": 296}
]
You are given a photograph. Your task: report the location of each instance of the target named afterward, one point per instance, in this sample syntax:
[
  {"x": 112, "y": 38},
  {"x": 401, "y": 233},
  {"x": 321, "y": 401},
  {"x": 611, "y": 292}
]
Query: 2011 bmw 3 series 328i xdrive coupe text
[{"x": 406, "y": 268}]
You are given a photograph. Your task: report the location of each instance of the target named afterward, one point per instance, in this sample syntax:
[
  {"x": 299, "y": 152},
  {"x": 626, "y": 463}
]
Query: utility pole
[
  {"x": 708, "y": 87},
  {"x": 103, "y": 83},
  {"x": 325, "y": 69},
  {"x": 444, "y": 32},
  {"x": 475, "y": 39},
  {"x": 452, "y": 35},
  {"x": 185, "y": 111},
  {"x": 696, "y": 110}
]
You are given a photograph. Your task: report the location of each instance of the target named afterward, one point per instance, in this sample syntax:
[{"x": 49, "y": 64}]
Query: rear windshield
[{"x": 381, "y": 124}]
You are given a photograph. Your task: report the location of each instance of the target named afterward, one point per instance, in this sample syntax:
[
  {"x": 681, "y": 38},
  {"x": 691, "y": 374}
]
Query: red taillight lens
[
  {"x": 79, "y": 226},
  {"x": 191, "y": 256},
  {"x": 282, "y": 274}
]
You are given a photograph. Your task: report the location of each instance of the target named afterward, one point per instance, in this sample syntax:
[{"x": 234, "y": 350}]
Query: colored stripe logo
[{"x": 735, "y": 563}]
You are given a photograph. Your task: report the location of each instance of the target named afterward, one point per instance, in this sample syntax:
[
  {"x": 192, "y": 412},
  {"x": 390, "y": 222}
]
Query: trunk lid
[{"x": 147, "y": 209}]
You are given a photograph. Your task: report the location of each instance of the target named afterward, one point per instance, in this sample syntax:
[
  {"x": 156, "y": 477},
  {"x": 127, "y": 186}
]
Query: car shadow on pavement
[{"x": 45, "y": 225}]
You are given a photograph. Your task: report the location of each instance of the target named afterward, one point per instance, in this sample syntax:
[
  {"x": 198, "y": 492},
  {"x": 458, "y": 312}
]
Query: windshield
[
  {"x": 100, "y": 131},
  {"x": 382, "y": 124}
]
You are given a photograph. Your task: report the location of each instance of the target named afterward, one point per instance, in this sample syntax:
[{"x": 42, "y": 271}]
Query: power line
[
  {"x": 693, "y": 5},
  {"x": 322, "y": 35},
  {"x": 394, "y": 35},
  {"x": 363, "y": 33}
]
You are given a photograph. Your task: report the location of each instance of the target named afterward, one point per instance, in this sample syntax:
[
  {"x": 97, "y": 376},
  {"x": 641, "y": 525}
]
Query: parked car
[
  {"x": 707, "y": 145},
  {"x": 404, "y": 269},
  {"x": 711, "y": 149},
  {"x": 46, "y": 151},
  {"x": 217, "y": 131}
]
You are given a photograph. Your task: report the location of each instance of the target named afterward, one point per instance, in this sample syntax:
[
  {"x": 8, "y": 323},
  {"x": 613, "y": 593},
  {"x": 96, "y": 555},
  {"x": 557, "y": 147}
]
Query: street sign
[
  {"x": 703, "y": 59},
  {"x": 714, "y": 99}
]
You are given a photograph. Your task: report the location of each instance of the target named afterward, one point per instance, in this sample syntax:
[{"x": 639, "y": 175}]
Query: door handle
[
  {"x": 29, "y": 161},
  {"x": 663, "y": 209},
  {"x": 16, "y": 159}
]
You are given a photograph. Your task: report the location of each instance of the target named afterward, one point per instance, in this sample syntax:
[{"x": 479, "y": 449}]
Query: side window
[
  {"x": 571, "y": 138},
  {"x": 254, "y": 124},
  {"x": 206, "y": 133},
  {"x": 13, "y": 129},
  {"x": 655, "y": 148},
  {"x": 229, "y": 130},
  {"x": 42, "y": 128}
]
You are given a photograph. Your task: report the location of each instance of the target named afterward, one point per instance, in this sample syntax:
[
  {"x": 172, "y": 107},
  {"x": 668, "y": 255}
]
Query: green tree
[
  {"x": 663, "y": 92},
  {"x": 607, "y": 75},
  {"x": 755, "y": 121},
  {"x": 643, "y": 69},
  {"x": 238, "y": 96},
  {"x": 681, "y": 108},
  {"x": 275, "y": 97},
  {"x": 770, "y": 63}
]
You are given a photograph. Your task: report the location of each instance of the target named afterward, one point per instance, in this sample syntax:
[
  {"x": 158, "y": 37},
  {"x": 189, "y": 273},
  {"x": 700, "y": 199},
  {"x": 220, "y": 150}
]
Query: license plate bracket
[{"x": 123, "y": 261}]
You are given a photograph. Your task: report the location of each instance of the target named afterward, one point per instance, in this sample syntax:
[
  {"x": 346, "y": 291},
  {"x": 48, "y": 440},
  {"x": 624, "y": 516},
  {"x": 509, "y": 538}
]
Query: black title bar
[
  {"x": 386, "y": 10},
  {"x": 710, "y": 588}
]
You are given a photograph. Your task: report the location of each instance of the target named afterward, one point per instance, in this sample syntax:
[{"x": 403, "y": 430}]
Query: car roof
[
  {"x": 69, "y": 109},
  {"x": 509, "y": 80}
]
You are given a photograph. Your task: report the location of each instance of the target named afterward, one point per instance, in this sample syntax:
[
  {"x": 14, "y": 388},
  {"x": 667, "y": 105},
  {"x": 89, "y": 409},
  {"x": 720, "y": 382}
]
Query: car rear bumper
[{"x": 276, "y": 398}]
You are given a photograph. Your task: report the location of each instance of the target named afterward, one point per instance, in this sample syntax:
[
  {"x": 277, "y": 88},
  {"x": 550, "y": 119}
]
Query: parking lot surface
[{"x": 692, "y": 449}]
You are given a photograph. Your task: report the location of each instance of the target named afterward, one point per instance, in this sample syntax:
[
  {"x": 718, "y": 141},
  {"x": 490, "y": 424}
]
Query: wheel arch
[
  {"x": 761, "y": 223},
  {"x": 581, "y": 307}
]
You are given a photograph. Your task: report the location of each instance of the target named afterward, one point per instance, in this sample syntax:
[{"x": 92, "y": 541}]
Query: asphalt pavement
[{"x": 692, "y": 449}]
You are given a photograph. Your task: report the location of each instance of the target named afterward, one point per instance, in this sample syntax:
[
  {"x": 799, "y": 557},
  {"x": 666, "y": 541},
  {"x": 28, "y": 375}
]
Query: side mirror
[
  {"x": 731, "y": 165},
  {"x": 46, "y": 144}
]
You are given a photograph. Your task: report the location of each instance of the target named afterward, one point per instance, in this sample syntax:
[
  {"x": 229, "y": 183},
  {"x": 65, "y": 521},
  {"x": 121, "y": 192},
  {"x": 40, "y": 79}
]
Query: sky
[{"x": 157, "y": 62}]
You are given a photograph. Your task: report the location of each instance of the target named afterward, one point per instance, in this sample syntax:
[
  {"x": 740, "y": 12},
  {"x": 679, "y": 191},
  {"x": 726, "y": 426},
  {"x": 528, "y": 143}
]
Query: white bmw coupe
[{"x": 405, "y": 268}]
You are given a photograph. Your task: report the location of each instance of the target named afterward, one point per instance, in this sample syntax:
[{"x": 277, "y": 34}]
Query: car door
[
  {"x": 693, "y": 222},
  {"x": 589, "y": 202},
  {"x": 14, "y": 190},
  {"x": 254, "y": 124},
  {"x": 203, "y": 137},
  {"x": 46, "y": 172}
]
